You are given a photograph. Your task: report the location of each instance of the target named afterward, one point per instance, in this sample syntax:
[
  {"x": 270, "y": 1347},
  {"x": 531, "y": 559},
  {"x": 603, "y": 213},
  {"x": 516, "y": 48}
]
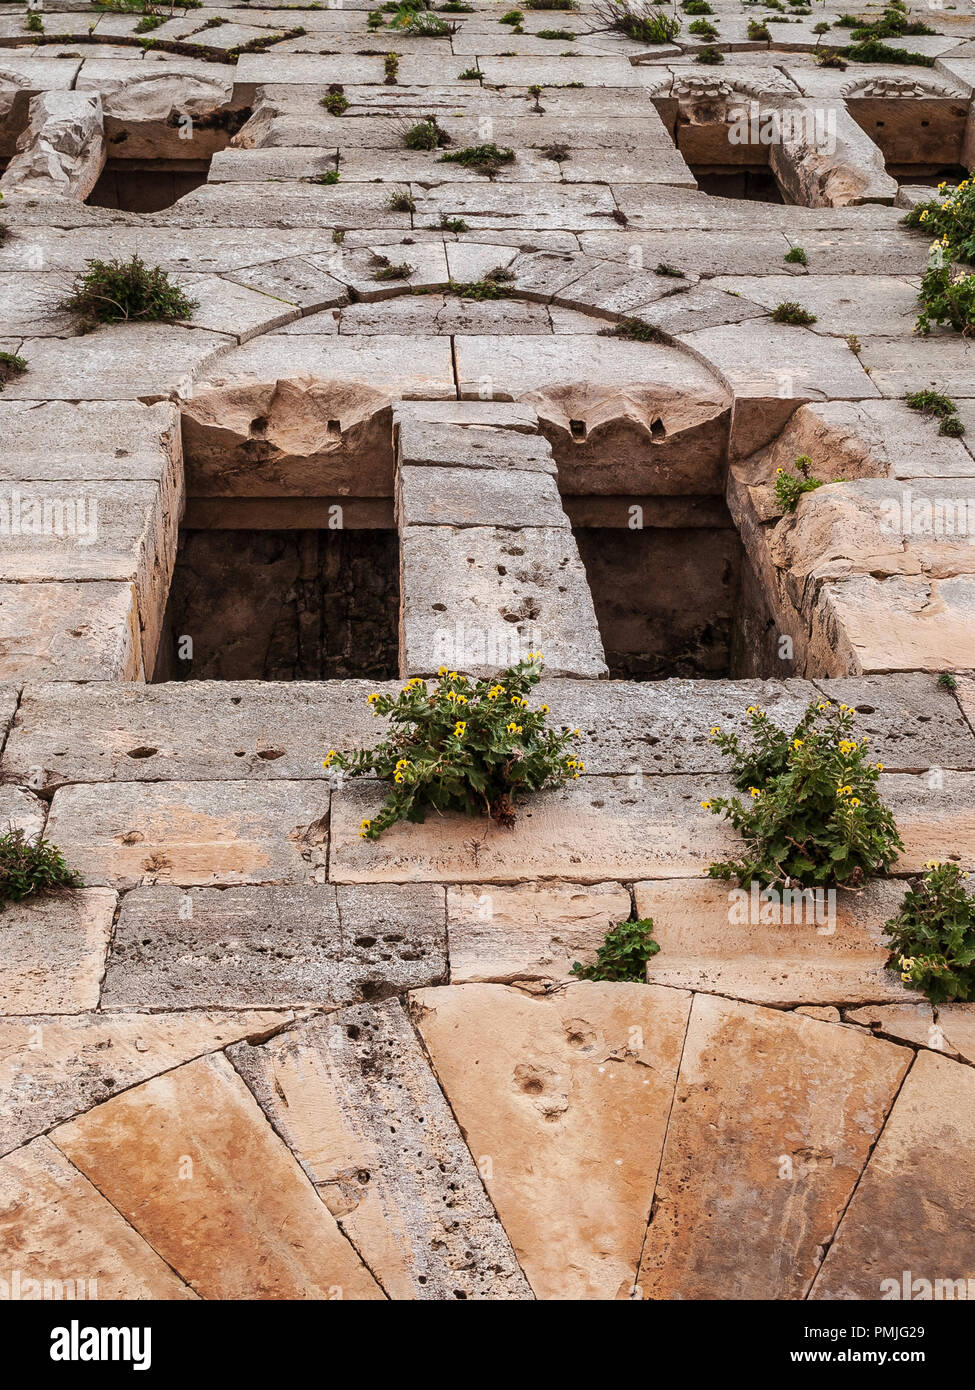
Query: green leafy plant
[
  {"x": 34, "y": 22},
  {"x": 335, "y": 101},
  {"x": 455, "y": 7},
  {"x": 947, "y": 681},
  {"x": 123, "y": 291},
  {"x": 463, "y": 745},
  {"x": 512, "y": 17},
  {"x": 709, "y": 55},
  {"x": 469, "y": 75},
  {"x": 758, "y": 32},
  {"x": 789, "y": 487},
  {"x": 426, "y": 135},
  {"x": 30, "y": 866},
  {"x": 564, "y": 34},
  {"x": 696, "y": 7},
  {"x": 451, "y": 224},
  {"x": 148, "y": 22},
  {"x": 623, "y": 955},
  {"x": 11, "y": 365},
  {"x": 797, "y": 256},
  {"x": 702, "y": 29},
  {"x": 946, "y": 298},
  {"x": 552, "y": 4},
  {"x": 821, "y": 28},
  {"x": 329, "y": 177},
  {"x": 388, "y": 270},
  {"x": 484, "y": 159},
  {"x": 638, "y": 19},
  {"x": 893, "y": 24},
  {"x": 874, "y": 51},
  {"x": 814, "y": 816},
  {"x": 932, "y": 938},
  {"x": 400, "y": 202},
  {"x": 950, "y": 218},
  {"x": 424, "y": 25},
  {"x": 390, "y": 69},
  {"x": 635, "y": 330},
  {"x": 940, "y": 406},
  {"x": 791, "y": 312}
]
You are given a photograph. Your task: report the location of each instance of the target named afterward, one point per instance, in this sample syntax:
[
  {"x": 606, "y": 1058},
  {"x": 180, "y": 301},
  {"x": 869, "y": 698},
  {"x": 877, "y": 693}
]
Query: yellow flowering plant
[
  {"x": 457, "y": 744},
  {"x": 814, "y": 817},
  {"x": 932, "y": 938},
  {"x": 951, "y": 215}
]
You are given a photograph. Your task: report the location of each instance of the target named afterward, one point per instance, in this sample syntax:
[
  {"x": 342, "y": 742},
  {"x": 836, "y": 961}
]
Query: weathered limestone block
[
  {"x": 244, "y": 1222},
  {"x": 392, "y": 366},
  {"x": 296, "y": 281},
  {"x": 460, "y": 497},
  {"x": 70, "y": 632},
  {"x": 92, "y": 441},
  {"x": 354, "y": 1098},
  {"x": 822, "y": 950},
  {"x": 595, "y": 829},
  {"x": 903, "y": 623},
  {"x": 185, "y": 730},
  {"x": 528, "y": 930},
  {"x": 274, "y": 946},
  {"x": 844, "y": 170},
  {"x": 63, "y": 148},
  {"x": 52, "y": 1068},
  {"x": 912, "y": 1210},
  {"x": 117, "y": 362},
  {"x": 480, "y": 597},
  {"x": 66, "y": 1241},
  {"x": 785, "y": 1109},
  {"x": 54, "y": 951},
  {"x": 910, "y": 722},
  {"x": 566, "y": 1094},
  {"x": 192, "y": 833},
  {"x": 288, "y": 437},
  {"x": 912, "y": 1023},
  {"x": 935, "y": 814},
  {"x": 475, "y": 446},
  {"x": 21, "y": 79},
  {"x": 147, "y": 105}
]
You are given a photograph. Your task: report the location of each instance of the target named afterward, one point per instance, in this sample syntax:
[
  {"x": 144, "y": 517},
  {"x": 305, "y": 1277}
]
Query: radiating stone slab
[
  {"x": 62, "y": 1239},
  {"x": 190, "y": 1159},
  {"x": 558, "y": 1096},
  {"x": 354, "y": 1098},
  {"x": 91, "y": 441},
  {"x": 54, "y": 950},
  {"x": 53, "y": 1067},
  {"x": 125, "y": 361},
  {"x": 783, "y": 1110},
  {"x": 528, "y": 930},
  {"x": 192, "y": 833},
  {"x": 594, "y": 829},
  {"x": 911, "y": 1216},
  {"x": 273, "y": 946},
  {"x": 829, "y": 948}
]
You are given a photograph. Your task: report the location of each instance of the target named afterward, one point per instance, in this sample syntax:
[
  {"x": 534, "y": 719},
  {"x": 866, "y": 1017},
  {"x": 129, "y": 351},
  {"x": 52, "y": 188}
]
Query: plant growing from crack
[
  {"x": 791, "y": 312},
  {"x": 126, "y": 291},
  {"x": 465, "y": 745},
  {"x": 635, "y": 330},
  {"x": 932, "y": 938},
  {"x": 940, "y": 406},
  {"x": 451, "y": 224},
  {"x": 483, "y": 159},
  {"x": 637, "y": 19},
  {"x": 789, "y": 487},
  {"x": 11, "y": 365},
  {"x": 814, "y": 816},
  {"x": 623, "y": 955},
  {"x": 400, "y": 202},
  {"x": 709, "y": 54},
  {"x": 494, "y": 285},
  {"x": 335, "y": 102},
  {"x": 426, "y": 135},
  {"x": 29, "y": 866},
  {"x": 797, "y": 256},
  {"x": 390, "y": 69},
  {"x": 947, "y": 681}
]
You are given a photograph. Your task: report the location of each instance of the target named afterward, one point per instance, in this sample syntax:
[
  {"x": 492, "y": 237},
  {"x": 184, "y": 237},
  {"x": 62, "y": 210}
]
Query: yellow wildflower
[
  {"x": 514, "y": 728},
  {"x": 705, "y": 805},
  {"x": 754, "y": 791},
  {"x": 326, "y": 762},
  {"x": 854, "y": 801},
  {"x": 371, "y": 699},
  {"x": 543, "y": 709},
  {"x": 460, "y": 728},
  {"x": 403, "y": 762}
]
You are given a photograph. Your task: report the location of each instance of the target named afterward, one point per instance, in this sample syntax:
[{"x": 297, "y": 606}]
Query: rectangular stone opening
[
  {"x": 666, "y": 593},
  {"x": 257, "y": 603},
  {"x": 147, "y": 185},
  {"x": 755, "y": 182},
  {"x": 921, "y": 141}
]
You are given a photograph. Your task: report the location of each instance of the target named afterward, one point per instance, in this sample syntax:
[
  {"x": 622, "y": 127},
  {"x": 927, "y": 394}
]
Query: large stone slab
[
  {"x": 125, "y": 361},
  {"x": 594, "y": 829},
  {"x": 273, "y": 946},
  {"x": 528, "y": 930},
  {"x": 911, "y": 1216},
  {"x": 354, "y": 1098},
  {"x": 62, "y": 151},
  {"x": 53, "y": 1067},
  {"x": 70, "y": 632},
  {"x": 564, "y": 1100},
  {"x": 480, "y": 598},
  {"x": 935, "y": 815},
  {"x": 90, "y": 441},
  {"x": 461, "y": 497},
  {"x": 784, "y": 1110},
  {"x": 191, "y": 1161},
  {"x": 400, "y": 365},
  {"x": 192, "y": 833},
  {"x": 829, "y": 949},
  {"x": 54, "y": 949},
  {"x": 63, "y": 1240}
]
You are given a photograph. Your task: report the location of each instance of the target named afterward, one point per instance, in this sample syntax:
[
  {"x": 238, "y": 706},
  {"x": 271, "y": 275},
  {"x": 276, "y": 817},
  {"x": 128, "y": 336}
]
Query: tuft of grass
[
  {"x": 126, "y": 291},
  {"x": 389, "y": 270},
  {"x": 874, "y": 51},
  {"x": 635, "y": 330},
  {"x": 29, "y": 866},
  {"x": 556, "y": 151},
  {"x": 662, "y": 268},
  {"x": 709, "y": 55},
  {"x": 330, "y": 176},
  {"x": 552, "y": 4},
  {"x": 565, "y": 34},
  {"x": 791, "y": 312},
  {"x": 512, "y": 17},
  {"x": 451, "y": 224},
  {"x": 492, "y": 286},
  {"x": 469, "y": 75},
  {"x": 797, "y": 256},
  {"x": 11, "y": 365},
  {"x": 696, "y": 7},
  {"x": 940, "y": 406},
  {"x": 623, "y": 955},
  {"x": 758, "y": 32},
  {"x": 426, "y": 135},
  {"x": 702, "y": 29},
  {"x": 947, "y": 681},
  {"x": 400, "y": 202},
  {"x": 642, "y": 20},
  {"x": 484, "y": 159},
  {"x": 34, "y": 23}
]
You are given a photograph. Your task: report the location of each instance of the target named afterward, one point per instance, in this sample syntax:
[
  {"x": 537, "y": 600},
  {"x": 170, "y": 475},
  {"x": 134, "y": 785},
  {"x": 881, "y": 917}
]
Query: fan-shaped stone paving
[{"x": 424, "y": 413}]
